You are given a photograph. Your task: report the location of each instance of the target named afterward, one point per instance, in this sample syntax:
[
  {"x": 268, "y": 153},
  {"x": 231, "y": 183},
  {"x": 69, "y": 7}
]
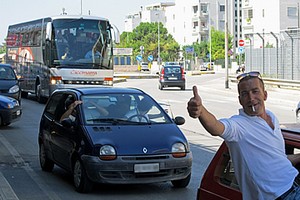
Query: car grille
[
  {"x": 146, "y": 158},
  {"x": 130, "y": 175}
]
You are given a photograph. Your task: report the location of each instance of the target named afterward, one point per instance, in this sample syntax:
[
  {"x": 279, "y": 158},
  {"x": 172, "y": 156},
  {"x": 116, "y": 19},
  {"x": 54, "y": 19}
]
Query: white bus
[{"x": 61, "y": 51}]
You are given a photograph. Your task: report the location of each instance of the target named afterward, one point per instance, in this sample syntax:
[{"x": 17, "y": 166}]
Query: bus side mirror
[
  {"x": 116, "y": 34},
  {"x": 48, "y": 31}
]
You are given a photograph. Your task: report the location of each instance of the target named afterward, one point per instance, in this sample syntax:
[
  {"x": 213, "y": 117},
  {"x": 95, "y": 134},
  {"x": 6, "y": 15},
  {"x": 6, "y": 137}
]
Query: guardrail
[{"x": 280, "y": 83}]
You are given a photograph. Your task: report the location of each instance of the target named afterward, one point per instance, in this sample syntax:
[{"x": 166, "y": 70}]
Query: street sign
[
  {"x": 139, "y": 58},
  {"x": 241, "y": 49},
  {"x": 150, "y": 58},
  {"x": 241, "y": 43}
]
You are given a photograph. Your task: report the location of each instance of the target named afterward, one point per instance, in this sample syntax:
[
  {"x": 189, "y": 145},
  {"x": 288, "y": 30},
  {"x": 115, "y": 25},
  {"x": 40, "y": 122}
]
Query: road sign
[
  {"x": 241, "y": 49},
  {"x": 150, "y": 58},
  {"x": 139, "y": 58},
  {"x": 241, "y": 43}
]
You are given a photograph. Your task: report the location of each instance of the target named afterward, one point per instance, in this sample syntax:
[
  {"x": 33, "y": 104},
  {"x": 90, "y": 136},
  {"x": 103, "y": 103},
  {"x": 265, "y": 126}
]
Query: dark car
[
  {"x": 218, "y": 181},
  {"x": 115, "y": 135},
  {"x": 9, "y": 83},
  {"x": 10, "y": 110},
  {"x": 172, "y": 76}
]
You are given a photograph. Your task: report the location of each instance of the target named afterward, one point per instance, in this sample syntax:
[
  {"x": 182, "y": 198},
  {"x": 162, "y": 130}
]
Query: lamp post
[
  {"x": 158, "y": 41},
  {"x": 226, "y": 44}
]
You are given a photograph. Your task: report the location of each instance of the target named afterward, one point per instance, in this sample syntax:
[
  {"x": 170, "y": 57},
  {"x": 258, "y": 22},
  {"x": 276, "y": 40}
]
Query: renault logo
[{"x": 145, "y": 150}]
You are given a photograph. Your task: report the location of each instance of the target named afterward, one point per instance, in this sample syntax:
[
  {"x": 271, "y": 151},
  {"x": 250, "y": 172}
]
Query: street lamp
[{"x": 158, "y": 40}]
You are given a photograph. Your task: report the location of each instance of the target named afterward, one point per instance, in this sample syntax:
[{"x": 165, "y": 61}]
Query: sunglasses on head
[{"x": 248, "y": 74}]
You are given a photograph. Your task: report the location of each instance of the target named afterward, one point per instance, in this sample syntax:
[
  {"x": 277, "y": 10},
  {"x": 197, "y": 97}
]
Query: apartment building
[{"x": 261, "y": 18}]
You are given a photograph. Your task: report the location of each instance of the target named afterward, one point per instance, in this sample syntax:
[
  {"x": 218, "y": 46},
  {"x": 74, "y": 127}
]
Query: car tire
[
  {"x": 183, "y": 88},
  {"x": 160, "y": 87},
  {"x": 81, "y": 181},
  {"x": 45, "y": 163},
  {"x": 182, "y": 183}
]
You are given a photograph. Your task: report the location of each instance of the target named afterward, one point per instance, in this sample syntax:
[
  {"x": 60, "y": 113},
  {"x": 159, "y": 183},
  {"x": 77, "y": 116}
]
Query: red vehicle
[{"x": 218, "y": 182}]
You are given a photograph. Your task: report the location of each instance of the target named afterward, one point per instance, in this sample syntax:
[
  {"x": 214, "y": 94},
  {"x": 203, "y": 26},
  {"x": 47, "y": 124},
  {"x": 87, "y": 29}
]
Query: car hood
[
  {"x": 132, "y": 140},
  {"x": 6, "y": 84}
]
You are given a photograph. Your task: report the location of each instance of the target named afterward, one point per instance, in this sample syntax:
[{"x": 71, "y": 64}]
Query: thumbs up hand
[{"x": 194, "y": 106}]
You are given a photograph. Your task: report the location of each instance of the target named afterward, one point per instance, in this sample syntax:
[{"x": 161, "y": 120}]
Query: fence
[{"x": 278, "y": 58}]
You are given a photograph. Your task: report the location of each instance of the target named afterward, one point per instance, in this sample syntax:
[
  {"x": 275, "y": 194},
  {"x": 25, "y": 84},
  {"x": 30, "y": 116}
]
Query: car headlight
[
  {"x": 107, "y": 152},
  {"x": 178, "y": 150},
  {"x": 14, "y": 89}
]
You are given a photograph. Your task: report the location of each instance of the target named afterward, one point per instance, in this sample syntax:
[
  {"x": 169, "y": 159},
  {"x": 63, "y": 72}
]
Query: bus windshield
[{"x": 81, "y": 43}]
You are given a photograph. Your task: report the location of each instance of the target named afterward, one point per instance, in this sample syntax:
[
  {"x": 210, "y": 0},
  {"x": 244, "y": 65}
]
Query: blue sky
[{"x": 15, "y": 11}]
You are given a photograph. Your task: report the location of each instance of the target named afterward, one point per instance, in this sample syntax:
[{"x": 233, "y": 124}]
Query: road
[{"x": 22, "y": 178}]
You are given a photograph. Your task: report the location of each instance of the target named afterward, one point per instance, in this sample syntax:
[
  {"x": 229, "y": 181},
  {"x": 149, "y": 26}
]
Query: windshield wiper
[{"x": 115, "y": 121}]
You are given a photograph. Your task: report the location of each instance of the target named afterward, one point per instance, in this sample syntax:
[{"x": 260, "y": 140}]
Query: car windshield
[
  {"x": 7, "y": 73},
  {"x": 124, "y": 109}
]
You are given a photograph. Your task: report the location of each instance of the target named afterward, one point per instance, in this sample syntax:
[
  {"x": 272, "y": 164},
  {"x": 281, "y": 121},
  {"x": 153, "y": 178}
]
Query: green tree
[
  {"x": 3, "y": 48},
  {"x": 218, "y": 44},
  {"x": 146, "y": 35}
]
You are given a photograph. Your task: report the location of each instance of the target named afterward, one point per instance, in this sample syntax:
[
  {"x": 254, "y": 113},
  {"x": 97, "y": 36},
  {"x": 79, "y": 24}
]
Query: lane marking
[{"x": 19, "y": 160}]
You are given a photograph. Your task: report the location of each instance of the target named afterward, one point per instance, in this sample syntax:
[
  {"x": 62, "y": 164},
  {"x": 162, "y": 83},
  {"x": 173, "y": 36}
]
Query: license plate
[
  {"x": 173, "y": 78},
  {"x": 150, "y": 167},
  {"x": 18, "y": 112}
]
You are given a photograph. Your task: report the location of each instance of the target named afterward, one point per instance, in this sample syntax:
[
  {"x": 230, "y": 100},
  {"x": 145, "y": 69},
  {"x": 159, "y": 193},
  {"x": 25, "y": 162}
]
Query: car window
[
  {"x": 121, "y": 107},
  {"x": 7, "y": 73},
  {"x": 172, "y": 70},
  {"x": 52, "y": 106}
]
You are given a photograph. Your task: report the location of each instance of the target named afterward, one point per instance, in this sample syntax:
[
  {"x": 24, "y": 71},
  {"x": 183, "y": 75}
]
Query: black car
[
  {"x": 9, "y": 83},
  {"x": 10, "y": 110},
  {"x": 112, "y": 135},
  {"x": 172, "y": 76}
]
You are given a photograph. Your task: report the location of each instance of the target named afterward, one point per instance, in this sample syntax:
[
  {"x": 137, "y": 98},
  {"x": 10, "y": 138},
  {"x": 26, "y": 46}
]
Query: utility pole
[{"x": 226, "y": 44}]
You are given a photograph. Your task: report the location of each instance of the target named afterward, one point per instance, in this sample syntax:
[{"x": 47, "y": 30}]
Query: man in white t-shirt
[{"x": 256, "y": 145}]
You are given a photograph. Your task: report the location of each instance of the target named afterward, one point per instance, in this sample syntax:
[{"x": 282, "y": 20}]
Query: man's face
[{"x": 252, "y": 96}]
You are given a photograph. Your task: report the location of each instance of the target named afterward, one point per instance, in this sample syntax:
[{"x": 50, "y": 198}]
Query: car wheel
[
  {"x": 160, "y": 87},
  {"x": 81, "y": 181},
  {"x": 45, "y": 163},
  {"x": 182, "y": 183},
  {"x": 183, "y": 88},
  {"x": 298, "y": 116}
]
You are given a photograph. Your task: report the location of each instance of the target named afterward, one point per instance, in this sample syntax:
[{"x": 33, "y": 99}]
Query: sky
[{"x": 16, "y": 11}]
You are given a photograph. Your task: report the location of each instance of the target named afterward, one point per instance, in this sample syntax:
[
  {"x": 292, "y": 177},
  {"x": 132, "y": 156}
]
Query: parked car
[
  {"x": 218, "y": 181},
  {"x": 172, "y": 76},
  {"x": 10, "y": 110},
  {"x": 9, "y": 83},
  {"x": 144, "y": 66},
  {"x": 298, "y": 113},
  {"x": 120, "y": 146}
]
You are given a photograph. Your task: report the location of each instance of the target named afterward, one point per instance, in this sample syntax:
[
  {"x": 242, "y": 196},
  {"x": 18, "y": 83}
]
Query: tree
[{"x": 146, "y": 35}]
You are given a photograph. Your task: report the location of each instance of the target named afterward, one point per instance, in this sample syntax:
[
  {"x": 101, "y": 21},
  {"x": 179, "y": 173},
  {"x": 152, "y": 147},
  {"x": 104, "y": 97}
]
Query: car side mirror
[{"x": 179, "y": 120}]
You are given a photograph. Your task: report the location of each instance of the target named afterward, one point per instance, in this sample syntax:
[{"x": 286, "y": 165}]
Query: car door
[{"x": 63, "y": 138}]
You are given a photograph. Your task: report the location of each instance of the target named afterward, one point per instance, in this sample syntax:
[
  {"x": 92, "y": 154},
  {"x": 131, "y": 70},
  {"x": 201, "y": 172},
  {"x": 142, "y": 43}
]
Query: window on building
[
  {"x": 222, "y": 8},
  {"x": 204, "y": 8},
  {"x": 292, "y": 11},
  {"x": 195, "y": 9},
  {"x": 248, "y": 14},
  {"x": 195, "y": 24}
]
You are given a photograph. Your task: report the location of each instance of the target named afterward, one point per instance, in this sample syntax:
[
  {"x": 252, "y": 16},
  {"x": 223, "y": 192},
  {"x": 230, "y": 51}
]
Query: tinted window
[{"x": 172, "y": 70}]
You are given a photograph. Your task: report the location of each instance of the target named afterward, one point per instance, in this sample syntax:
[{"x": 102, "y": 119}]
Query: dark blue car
[
  {"x": 9, "y": 83},
  {"x": 112, "y": 135},
  {"x": 10, "y": 110}
]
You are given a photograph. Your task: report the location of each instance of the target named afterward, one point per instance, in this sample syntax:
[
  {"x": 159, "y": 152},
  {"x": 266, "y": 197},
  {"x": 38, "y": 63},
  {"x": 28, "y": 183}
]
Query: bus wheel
[
  {"x": 24, "y": 94},
  {"x": 38, "y": 95}
]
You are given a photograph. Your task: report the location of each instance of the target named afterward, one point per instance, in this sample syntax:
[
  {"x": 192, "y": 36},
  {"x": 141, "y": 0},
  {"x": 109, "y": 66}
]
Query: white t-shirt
[{"x": 258, "y": 154}]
